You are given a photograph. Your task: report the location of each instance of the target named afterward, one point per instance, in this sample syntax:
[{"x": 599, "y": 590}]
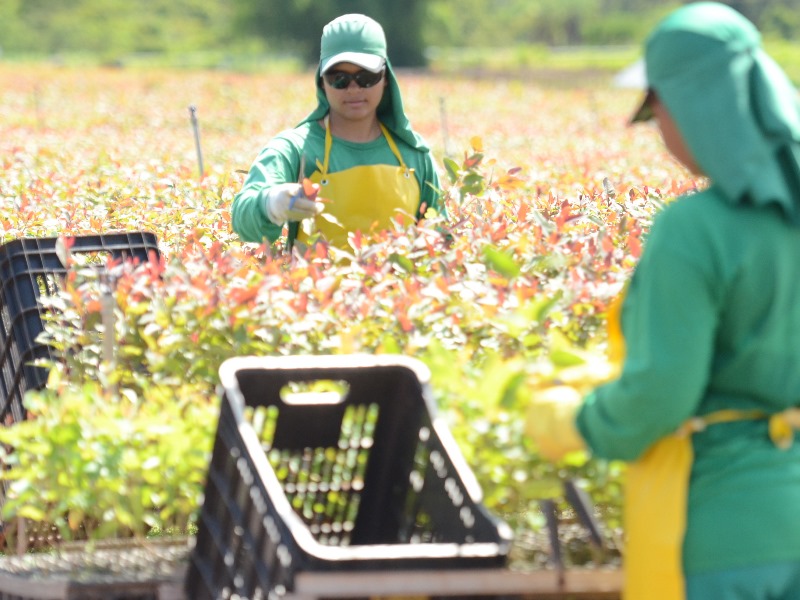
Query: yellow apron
[
  {"x": 365, "y": 197},
  {"x": 657, "y": 489}
]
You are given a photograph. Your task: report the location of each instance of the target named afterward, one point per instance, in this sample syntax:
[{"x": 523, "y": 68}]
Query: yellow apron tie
[
  {"x": 364, "y": 197},
  {"x": 654, "y": 504},
  {"x": 657, "y": 490}
]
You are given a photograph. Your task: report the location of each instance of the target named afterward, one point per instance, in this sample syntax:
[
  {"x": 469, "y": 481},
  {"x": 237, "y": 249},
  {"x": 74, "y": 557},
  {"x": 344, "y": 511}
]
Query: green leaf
[
  {"x": 513, "y": 386},
  {"x": 31, "y": 512},
  {"x": 472, "y": 184},
  {"x": 499, "y": 383},
  {"x": 501, "y": 262},
  {"x": 543, "y": 488},
  {"x": 565, "y": 358},
  {"x": 403, "y": 262},
  {"x": 390, "y": 344},
  {"x": 575, "y": 459},
  {"x": 451, "y": 167}
]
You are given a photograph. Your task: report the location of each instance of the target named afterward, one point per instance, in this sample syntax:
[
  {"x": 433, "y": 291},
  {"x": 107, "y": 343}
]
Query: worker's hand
[
  {"x": 290, "y": 202},
  {"x": 550, "y": 421}
]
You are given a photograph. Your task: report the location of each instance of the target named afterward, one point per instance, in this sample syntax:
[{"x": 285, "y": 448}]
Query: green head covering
[
  {"x": 360, "y": 40},
  {"x": 737, "y": 111}
]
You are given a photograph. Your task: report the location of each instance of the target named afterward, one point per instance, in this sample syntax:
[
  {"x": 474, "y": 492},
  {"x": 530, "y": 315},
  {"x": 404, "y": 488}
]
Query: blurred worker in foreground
[
  {"x": 354, "y": 163},
  {"x": 705, "y": 405}
]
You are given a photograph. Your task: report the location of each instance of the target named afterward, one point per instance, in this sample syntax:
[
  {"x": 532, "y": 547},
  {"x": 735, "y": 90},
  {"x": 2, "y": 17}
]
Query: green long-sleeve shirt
[
  {"x": 279, "y": 162},
  {"x": 711, "y": 320}
]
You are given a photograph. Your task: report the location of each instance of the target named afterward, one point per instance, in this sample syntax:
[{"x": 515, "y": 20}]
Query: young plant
[{"x": 96, "y": 466}]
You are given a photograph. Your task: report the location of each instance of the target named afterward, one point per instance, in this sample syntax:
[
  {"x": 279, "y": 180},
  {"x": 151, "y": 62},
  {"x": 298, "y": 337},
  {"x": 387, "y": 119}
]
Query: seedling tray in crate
[
  {"x": 29, "y": 269},
  {"x": 334, "y": 463},
  {"x": 104, "y": 570}
]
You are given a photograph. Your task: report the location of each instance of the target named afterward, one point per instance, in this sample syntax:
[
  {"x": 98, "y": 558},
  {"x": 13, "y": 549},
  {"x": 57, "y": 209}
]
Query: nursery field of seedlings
[{"x": 549, "y": 196}]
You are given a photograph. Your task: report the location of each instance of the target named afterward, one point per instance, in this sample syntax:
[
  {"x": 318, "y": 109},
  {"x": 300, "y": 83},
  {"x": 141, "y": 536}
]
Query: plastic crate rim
[
  {"x": 407, "y": 551},
  {"x": 229, "y": 367},
  {"x": 230, "y": 393},
  {"x": 229, "y": 386},
  {"x": 303, "y": 537}
]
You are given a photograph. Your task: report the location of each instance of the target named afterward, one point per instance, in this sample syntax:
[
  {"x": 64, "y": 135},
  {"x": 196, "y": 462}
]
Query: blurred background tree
[
  {"x": 108, "y": 28},
  {"x": 112, "y": 29},
  {"x": 297, "y": 24}
]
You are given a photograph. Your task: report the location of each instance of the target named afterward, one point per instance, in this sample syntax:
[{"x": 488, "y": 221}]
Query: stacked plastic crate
[{"x": 29, "y": 269}]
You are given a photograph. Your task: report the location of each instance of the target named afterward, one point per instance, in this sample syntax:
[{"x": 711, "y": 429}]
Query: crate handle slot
[
  {"x": 317, "y": 391},
  {"x": 94, "y": 258},
  {"x": 66, "y": 254}
]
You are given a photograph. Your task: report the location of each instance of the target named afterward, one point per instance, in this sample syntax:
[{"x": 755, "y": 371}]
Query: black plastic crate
[
  {"x": 366, "y": 478},
  {"x": 29, "y": 269}
]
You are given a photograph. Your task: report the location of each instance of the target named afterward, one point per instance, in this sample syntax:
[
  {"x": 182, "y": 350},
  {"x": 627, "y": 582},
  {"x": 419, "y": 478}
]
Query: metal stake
[
  {"x": 193, "y": 115},
  {"x": 108, "y": 302},
  {"x": 443, "y": 114}
]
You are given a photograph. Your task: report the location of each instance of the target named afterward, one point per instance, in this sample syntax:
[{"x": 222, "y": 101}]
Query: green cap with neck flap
[
  {"x": 360, "y": 40},
  {"x": 738, "y": 112}
]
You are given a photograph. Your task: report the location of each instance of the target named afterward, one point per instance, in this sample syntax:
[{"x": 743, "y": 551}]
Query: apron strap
[
  {"x": 392, "y": 145},
  {"x": 782, "y": 425},
  {"x": 726, "y": 415},
  {"x": 329, "y": 144}
]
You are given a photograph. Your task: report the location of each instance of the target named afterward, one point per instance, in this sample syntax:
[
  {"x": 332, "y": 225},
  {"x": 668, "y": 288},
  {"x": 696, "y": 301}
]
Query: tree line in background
[{"x": 110, "y": 29}]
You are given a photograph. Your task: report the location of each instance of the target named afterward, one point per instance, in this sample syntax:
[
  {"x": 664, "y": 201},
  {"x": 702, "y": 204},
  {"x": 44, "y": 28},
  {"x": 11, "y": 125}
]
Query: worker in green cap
[
  {"x": 363, "y": 164},
  {"x": 704, "y": 405}
]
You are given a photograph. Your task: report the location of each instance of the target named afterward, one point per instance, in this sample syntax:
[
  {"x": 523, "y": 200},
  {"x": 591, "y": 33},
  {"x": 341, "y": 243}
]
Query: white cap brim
[
  {"x": 633, "y": 76},
  {"x": 369, "y": 62}
]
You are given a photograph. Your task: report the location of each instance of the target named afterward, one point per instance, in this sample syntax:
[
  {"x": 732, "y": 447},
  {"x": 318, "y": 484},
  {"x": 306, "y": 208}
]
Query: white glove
[
  {"x": 288, "y": 202},
  {"x": 550, "y": 421}
]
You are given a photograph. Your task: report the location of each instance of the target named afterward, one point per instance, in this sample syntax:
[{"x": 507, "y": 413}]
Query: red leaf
[
  {"x": 243, "y": 295},
  {"x": 310, "y": 189}
]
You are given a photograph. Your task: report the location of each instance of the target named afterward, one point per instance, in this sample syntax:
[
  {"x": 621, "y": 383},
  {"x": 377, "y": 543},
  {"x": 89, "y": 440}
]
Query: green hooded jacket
[
  {"x": 711, "y": 318},
  {"x": 279, "y": 161}
]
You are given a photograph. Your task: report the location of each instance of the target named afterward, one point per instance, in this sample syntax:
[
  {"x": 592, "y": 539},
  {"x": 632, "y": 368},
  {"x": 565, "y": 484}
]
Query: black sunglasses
[{"x": 340, "y": 80}]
